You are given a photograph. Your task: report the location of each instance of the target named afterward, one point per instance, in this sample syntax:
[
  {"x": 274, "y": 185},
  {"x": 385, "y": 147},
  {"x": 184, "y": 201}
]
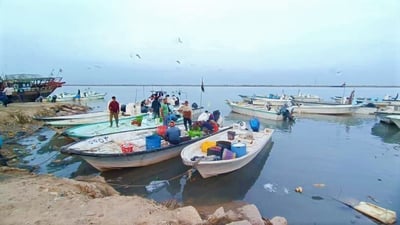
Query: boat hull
[
  {"x": 254, "y": 110},
  {"x": 326, "y": 109},
  {"x": 106, "y": 153},
  {"x": 210, "y": 168}
]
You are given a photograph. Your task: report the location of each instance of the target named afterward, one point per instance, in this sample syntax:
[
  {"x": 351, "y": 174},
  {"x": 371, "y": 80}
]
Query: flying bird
[
  {"x": 177, "y": 61},
  {"x": 179, "y": 40},
  {"x": 137, "y": 55}
]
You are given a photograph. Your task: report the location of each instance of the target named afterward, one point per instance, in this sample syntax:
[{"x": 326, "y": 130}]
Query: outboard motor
[
  {"x": 123, "y": 108},
  {"x": 254, "y": 124},
  {"x": 216, "y": 115}
]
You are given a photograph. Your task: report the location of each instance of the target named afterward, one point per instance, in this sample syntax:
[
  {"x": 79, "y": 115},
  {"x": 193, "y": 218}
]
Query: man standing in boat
[
  {"x": 113, "y": 107},
  {"x": 186, "y": 112}
]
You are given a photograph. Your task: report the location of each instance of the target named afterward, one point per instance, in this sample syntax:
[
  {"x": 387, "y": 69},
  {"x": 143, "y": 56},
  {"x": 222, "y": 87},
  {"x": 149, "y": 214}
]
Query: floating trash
[
  {"x": 156, "y": 185},
  {"x": 270, "y": 187}
]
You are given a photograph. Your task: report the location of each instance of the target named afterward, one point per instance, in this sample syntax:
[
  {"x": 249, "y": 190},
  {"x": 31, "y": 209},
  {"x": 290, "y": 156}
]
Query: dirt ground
[{"x": 27, "y": 198}]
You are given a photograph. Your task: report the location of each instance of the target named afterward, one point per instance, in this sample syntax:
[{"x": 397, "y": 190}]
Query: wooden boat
[
  {"x": 208, "y": 166},
  {"x": 103, "y": 128},
  {"x": 30, "y": 87},
  {"x": 259, "y": 111},
  {"x": 326, "y": 109},
  {"x": 395, "y": 119},
  {"x": 128, "y": 149},
  {"x": 378, "y": 213}
]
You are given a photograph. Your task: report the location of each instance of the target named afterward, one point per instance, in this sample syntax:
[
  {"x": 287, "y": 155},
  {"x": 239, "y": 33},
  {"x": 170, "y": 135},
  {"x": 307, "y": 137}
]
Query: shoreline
[{"x": 28, "y": 198}]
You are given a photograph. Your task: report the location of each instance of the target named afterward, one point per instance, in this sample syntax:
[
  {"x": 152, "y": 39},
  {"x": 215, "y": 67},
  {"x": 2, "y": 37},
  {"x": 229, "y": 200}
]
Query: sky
[{"x": 222, "y": 42}]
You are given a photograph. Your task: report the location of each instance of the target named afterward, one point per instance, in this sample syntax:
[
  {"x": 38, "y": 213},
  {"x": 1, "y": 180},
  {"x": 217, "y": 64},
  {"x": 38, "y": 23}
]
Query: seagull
[
  {"x": 179, "y": 40},
  {"x": 137, "y": 55},
  {"x": 179, "y": 62}
]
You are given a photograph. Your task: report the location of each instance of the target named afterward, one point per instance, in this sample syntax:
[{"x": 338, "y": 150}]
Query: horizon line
[{"x": 240, "y": 85}]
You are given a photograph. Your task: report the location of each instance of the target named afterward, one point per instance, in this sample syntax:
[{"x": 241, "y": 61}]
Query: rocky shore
[{"x": 28, "y": 198}]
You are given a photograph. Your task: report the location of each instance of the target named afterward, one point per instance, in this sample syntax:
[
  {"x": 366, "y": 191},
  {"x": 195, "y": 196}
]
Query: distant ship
[{"x": 30, "y": 87}]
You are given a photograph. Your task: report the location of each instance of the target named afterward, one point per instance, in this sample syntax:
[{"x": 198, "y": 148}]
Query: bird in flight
[
  {"x": 180, "y": 40},
  {"x": 177, "y": 61},
  {"x": 137, "y": 55}
]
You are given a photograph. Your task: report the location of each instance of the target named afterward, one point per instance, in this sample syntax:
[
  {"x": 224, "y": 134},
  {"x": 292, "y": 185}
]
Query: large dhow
[
  {"x": 227, "y": 151},
  {"x": 30, "y": 87},
  {"x": 131, "y": 149}
]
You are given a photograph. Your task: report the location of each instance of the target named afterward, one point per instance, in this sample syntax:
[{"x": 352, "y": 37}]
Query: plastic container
[
  {"x": 127, "y": 147},
  {"x": 162, "y": 130},
  {"x": 153, "y": 142},
  {"x": 224, "y": 144},
  {"x": 231, "y": 135},
  {"x": 215, "y": 150},
  {"x": 239, "y": 149},
  {"x": 255, "y": 124},
  {"x": 227, "y": 154},
  {"x": 207, "y": 144}
]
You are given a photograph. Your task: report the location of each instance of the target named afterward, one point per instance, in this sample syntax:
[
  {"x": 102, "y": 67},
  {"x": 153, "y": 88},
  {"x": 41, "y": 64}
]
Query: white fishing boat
[
  {"x": 103, "y": 128},
  {"x": 86, "y": 121},
  {"x": 395, "y": 119},
  {"x": 244, "y": 146},
  {"x": 129, "y": 149},
  {"x": 325, "y": 109},
  {"x": 259, "y": 111},
  {"x": 75, "y": 116},
  {"x": 85, "y": 96},
  {"x": 383, "y": 113}
]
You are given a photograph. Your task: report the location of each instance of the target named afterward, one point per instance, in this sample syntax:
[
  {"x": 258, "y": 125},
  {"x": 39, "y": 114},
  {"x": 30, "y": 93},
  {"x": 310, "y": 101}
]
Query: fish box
[
  {"x": 153, "y": 142},
  {"x": 207, "y": 144},
  {"x": 224, "y": 144},
  {"x": 239, "y": 149},
  {"x": 215, "y": 150}
]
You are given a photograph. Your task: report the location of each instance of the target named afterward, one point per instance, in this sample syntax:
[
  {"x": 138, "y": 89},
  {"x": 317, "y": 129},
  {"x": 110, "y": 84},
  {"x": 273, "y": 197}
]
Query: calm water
[{"x": 349, "y": 158}]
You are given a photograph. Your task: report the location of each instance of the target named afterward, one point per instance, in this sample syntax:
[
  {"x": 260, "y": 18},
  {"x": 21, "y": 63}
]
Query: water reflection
[
  {"x": 285, "y": 126},
  {"x": 389, "y": 133},
  {"x": 227, "y": 187},
  {"x": 347, "y": 120},
  {"x": 132, "y": 181}
]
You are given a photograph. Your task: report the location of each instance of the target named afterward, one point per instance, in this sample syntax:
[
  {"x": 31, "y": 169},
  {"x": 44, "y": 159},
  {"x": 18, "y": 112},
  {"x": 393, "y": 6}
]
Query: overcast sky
[{"x": 223, "y": 41}]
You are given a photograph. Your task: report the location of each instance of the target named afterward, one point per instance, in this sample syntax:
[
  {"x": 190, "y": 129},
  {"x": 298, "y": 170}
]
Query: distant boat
[
  {"x": 30, "y": 87},
  {"x": 85, "y": 96},
  {"x": 129, "y": 149},
  {"x": 259, "y": 111},
  {"x": 326, "y": 109}
]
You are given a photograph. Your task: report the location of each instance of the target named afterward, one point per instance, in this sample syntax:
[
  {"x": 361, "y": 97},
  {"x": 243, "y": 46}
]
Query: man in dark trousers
[{"x": 113, "y": 107}]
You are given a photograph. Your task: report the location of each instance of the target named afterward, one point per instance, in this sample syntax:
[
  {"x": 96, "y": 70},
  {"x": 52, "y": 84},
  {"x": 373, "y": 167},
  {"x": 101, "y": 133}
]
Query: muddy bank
[{"x": 28, "y": 198}]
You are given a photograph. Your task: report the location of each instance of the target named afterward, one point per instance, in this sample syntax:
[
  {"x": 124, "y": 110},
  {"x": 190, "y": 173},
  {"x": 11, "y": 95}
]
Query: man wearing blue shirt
[{"x": 173, "y": 134}]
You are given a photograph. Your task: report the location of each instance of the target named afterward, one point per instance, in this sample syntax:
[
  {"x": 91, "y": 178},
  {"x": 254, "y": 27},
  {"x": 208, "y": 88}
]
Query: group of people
[{"x": 207, "y": 122}]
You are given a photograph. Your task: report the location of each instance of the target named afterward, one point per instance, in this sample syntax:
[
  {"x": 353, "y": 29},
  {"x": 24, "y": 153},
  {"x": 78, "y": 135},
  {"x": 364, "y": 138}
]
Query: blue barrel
[
  {"x": 1, "y": 141},
  {"x": 239, "y": 149},
  {"x": 255, "y": 124},
  {"x": 153, "y": 142}
]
